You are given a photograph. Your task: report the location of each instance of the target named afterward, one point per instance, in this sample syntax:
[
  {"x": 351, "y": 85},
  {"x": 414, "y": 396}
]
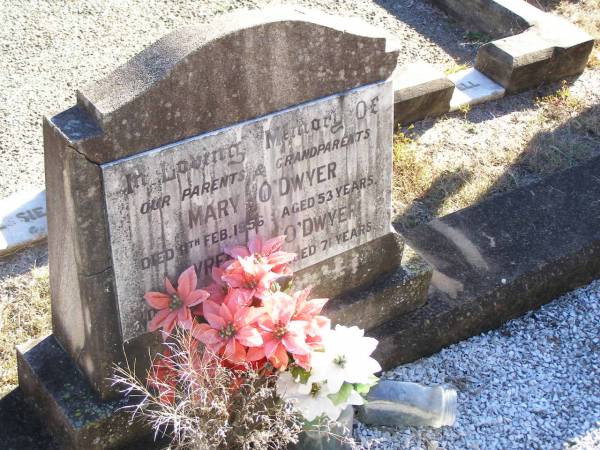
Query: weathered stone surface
[
  {"x": 420, "y": 91},
  {"x": 496, "y": 18},
  {"x": 499, "y": 259},
  {"x": 81, "y": 279},
  {"x": 327, "y": 188},
  {"x": 536, "y": 47},
  {"x": 193, "y": 81},
  {"x": 550, "y": 51},
  {"x": 22, "y": 220},
  {"x": 71, "y": 410},
  {"x": 241, "y": 66},
  {"x": 22, "y": 428},
  {"x": 355, "y": 268},
  {"x": 472, "y": 88},
  {"x": 402, "y": 291}
]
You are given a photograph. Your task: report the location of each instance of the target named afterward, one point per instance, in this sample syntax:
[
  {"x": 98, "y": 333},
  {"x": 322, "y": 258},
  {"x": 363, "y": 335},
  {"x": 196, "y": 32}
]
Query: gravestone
[
  {"x": 270, "y": 122},
  {"x": 22, "y": 220}
]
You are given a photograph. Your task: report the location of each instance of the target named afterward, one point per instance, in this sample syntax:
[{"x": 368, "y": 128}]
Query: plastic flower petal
[
  {"x": 346, "y": 358},
  {"x": 281, "y": 334},
  {"x": 248, "y": 274},
  {"x": 310, "y": 399},
  {"x": 265, "y": 252},
  {"x": 174, "y": 307},
  {"x": 230, "y": 328},
  {"x": 218, "y": 288}
]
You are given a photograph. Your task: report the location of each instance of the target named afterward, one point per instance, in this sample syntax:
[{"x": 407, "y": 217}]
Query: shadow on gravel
[{"x": 437, "y": 27}]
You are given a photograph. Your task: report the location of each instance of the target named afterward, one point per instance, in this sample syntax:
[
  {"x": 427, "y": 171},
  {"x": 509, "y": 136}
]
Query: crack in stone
[{"x": 89, "y": 275}]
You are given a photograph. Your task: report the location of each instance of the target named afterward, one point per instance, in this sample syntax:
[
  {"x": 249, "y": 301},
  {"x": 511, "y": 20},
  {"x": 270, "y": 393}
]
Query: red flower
[{"x": 163, "y": 377}]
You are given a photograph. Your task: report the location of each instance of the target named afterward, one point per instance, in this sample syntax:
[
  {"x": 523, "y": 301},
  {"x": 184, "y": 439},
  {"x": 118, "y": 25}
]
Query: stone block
[
  {"x": 193, "y": 81},
  {"x": 81, "y": 278},
  {"x": 22, "y": 220},
  {"x": 69, "y": 407},
  {"x": 353, "y": 269},
  {"x": 534, "y": 47},
  {"x": 551, "y": 50},
  {"x": 201, "y": 78},
  {"x": 394, "y": 295},
  {"x": 326, "y": 188},
  {"x": 499, "y": 259},
  {"x": 420, "y": 91},
  {"x": 472, "y": 88},
  {"x": 22, "y": 428},
  {"x": 496, "y": 18}
]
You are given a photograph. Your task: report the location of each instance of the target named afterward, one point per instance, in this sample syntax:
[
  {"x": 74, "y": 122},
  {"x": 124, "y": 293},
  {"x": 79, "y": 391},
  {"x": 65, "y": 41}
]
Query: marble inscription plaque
[{"x": 318, "y": 173}]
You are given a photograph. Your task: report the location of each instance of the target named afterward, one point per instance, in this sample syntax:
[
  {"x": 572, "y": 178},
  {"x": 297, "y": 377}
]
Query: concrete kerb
[{"x": 534, "y": 47}]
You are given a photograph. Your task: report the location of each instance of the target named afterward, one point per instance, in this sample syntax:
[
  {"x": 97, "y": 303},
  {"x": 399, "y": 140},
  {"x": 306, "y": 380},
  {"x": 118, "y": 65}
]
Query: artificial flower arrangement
[{"x": 252, "y": 352}]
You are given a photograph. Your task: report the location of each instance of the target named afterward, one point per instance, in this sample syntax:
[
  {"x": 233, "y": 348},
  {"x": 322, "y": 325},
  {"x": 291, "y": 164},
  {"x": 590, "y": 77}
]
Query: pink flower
[
  {"x": 308, "y": 310},
  {"x": 218, "y": 288},
  {"x": 268, "y": 252},
  {"x": 251, "y": 275},
  {"x": 173, "y": 308},
  {"x": 281, "y": 334},
  {"x": 230, "y": 327}
]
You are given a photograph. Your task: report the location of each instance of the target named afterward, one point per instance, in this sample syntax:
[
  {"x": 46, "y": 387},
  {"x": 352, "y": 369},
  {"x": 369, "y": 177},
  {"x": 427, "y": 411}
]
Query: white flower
[
  {"x": 346, "y": 358},
  {"x": 311, "y": 399},
  {"x": 354, "y": 399}
]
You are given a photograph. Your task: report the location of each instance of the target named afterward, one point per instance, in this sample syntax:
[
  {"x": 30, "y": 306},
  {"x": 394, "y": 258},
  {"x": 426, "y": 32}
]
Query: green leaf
[
  {"x": 373, "y": 380},
  {"x": 363, "y": 388},
  {"x": 300, "y": 374},
  {"x": 342, "y": 395}
]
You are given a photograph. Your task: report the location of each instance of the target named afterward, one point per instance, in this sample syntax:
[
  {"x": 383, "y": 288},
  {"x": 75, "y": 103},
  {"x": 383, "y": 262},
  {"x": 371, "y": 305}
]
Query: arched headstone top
[{"x": 241, "y": 66}]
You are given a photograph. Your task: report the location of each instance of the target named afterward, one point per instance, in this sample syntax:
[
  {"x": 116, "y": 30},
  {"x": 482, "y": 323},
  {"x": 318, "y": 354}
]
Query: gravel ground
[
  {"x": 532, "y": 384},
  {"x": 49, "y": 48}
]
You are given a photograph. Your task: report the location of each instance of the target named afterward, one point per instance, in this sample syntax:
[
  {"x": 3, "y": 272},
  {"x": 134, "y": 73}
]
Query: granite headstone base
[
  {"x": 370, "y": 283},
  {"x": 67, "y": 405},
  {"x": 392, "y": 295}
]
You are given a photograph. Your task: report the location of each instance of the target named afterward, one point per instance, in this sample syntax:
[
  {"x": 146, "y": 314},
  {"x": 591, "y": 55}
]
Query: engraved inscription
[{"x": 318, "y": 173}]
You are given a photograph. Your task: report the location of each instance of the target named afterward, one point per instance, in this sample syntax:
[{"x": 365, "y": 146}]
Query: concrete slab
[
  {"x": 22, "y": 220},
  {"x": 473, "y": 87},
  {"x": 499, "y": 259},
  {"x": 535, "y": 47},
  {"x": 420, "y": 91},
  {"x": 397, "y": 294}
]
